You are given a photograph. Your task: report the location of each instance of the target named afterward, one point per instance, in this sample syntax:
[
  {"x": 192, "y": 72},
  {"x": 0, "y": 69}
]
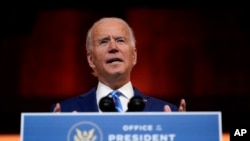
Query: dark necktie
[{"x": 115, "y": 96}]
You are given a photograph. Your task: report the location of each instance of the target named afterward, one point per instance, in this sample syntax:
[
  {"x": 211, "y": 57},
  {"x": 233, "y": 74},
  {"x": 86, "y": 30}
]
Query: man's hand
[
  {"x": 57, "y": 109},
  {"x": 182, "y": 107}
]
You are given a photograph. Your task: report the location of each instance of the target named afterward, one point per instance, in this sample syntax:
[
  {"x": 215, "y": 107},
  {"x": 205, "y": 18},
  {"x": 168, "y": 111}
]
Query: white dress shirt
[{"x": 127, "y": 91}]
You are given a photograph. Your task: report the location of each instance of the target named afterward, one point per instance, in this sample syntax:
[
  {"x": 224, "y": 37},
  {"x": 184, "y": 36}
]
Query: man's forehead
[
  {"x": 112, "y": 24},
  {"x": 114, "y": 31}
]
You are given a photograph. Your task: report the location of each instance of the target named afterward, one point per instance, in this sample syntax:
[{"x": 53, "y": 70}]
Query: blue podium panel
[{"x": 141, "y": 126}]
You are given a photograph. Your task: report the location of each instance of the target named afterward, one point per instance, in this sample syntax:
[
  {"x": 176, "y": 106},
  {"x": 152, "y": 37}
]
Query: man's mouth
[{"x": 114, "y": 60}]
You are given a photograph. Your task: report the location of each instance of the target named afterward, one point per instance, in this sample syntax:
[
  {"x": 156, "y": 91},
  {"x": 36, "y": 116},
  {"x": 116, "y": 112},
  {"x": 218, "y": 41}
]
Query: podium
[{"x": 130, "y": 126}]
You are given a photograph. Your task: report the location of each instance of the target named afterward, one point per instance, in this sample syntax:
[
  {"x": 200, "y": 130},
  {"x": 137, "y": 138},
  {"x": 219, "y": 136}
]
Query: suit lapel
[
  {"x": 87, "y": 102},
  {"x": 145, "y": 98}
]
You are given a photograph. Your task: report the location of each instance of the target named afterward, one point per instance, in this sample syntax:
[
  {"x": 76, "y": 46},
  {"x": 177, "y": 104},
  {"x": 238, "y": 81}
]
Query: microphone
[
  {"x": 106, "y": 104},
  {"x": 135, "y": 104}
]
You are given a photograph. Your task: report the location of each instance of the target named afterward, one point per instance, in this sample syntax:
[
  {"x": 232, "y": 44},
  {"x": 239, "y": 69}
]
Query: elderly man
[{"x": 111, "y": 53}]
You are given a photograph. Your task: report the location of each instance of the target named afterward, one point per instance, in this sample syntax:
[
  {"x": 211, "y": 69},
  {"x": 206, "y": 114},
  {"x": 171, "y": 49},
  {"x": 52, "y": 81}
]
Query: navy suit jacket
[{"x": 87, "y": 103}]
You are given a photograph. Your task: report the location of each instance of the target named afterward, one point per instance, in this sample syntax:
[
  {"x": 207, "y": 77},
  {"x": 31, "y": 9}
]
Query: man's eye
[
  {"x": 120, "y": 41},
  {"x": 103, "y": 42}
]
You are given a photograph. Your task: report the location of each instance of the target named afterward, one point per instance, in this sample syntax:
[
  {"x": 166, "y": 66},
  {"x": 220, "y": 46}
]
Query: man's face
[{"x": 112, "y": 53}]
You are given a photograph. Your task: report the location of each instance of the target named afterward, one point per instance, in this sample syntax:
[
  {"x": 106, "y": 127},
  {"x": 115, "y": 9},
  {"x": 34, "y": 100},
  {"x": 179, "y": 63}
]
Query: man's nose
[
  {"x": 113, "y": 44},
  {"x": 113, "y": 47}
]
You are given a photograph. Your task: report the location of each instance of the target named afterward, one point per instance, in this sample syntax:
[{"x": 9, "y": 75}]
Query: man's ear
[
  {"x": 90, "y": 60},
  {"x": 134, "y": 56}
]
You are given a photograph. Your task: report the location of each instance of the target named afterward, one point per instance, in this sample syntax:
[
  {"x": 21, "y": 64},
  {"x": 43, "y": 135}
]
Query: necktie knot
[
  {"x": 115, "y": 96},
  {"x": 116, "y": 93}
]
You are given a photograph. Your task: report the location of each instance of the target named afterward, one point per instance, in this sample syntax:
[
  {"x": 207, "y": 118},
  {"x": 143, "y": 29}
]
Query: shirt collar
[{"x": 104, "y": 90}]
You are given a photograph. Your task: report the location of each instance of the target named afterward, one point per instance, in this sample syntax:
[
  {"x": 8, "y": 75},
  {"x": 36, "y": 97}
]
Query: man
[{"x": 111, "y": 53}]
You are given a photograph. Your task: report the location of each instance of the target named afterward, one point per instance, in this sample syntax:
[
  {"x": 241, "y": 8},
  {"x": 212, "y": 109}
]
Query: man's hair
[{"x": 89, "y": 39}]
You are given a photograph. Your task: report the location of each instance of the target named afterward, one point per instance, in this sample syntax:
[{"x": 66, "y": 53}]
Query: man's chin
[{"x": 116, "y": 73}]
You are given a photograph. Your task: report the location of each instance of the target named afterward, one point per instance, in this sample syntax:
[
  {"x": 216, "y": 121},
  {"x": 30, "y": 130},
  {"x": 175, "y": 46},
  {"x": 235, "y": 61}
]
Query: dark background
[{"x": 199, "y": 53}]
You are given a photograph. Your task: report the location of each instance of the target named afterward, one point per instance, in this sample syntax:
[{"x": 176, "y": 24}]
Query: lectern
[{"x": 130, "y": 126}]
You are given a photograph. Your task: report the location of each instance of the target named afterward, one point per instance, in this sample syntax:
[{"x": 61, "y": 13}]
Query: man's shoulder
[
  {"x": 153, "y": 102},
  {"x": 89, "y": 92},
  {"x": 80, "y": 96},
  {"x": 137, "y": 92}
]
